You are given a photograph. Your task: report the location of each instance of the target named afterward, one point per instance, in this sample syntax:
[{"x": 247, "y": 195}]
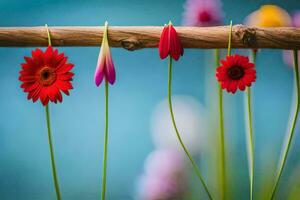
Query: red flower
[
  {"x": 169, "y": 43},
  {"x": 45, "y": 75},
  {"x": 236, "y": 72}
]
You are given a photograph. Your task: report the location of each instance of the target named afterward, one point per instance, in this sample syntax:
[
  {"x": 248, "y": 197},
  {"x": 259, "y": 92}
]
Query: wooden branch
[{"x": 138, "y": 37}]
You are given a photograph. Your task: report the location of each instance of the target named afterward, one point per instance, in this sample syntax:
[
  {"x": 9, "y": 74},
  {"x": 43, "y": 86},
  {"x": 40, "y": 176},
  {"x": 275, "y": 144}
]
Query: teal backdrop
[{"x": 141, "y": 84}]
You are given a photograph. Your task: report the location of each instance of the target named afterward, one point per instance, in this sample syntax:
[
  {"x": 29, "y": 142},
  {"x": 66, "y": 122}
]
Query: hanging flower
[
  {"x": 169, "y": 43},
  {"x": 236, "y": 72},
  {"x": 105, "y": 66},
  {"x": 202, "y": 13},
  {"x": 45, "y": 75},
  {"x": 269, "y": 16}
]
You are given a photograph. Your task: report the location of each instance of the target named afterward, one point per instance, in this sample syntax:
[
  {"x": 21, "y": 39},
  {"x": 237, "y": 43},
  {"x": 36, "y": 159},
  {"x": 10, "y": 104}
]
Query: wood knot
[
  {"x": 131, "y": 44},
  {"x": 247, "y": 35}
]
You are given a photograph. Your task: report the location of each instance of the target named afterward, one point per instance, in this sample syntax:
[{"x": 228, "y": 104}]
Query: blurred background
[{"x": 143, "y": 155}]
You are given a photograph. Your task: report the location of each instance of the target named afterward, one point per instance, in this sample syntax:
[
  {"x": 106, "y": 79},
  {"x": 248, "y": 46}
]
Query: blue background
[{"x": 77, "y": 123}]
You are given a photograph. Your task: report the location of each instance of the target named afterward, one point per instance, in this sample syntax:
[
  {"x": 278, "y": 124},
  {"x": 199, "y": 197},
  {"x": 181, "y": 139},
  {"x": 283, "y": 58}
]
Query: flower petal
[
  {"x": 176, "y": 49},
  {"x": 99, "y": 72},
  {"x": 164, "y": 43},
  {"x": 109, "y": 69}
]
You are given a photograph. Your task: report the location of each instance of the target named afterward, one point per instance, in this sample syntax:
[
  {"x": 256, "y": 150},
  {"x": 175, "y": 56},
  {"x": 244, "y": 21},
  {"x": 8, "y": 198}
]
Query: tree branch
[{"x": 138, "y": 37}]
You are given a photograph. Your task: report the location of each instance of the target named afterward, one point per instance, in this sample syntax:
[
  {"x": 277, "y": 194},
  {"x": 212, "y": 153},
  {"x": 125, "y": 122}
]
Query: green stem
[
  {"x": 249, "y": 132},
  {"x": 55, "y": 179},
  {"x": 250, "y": 141},
  {"x": 229, "y": 40},
  {"x": 196, "y": 169},
  {"x": 105, "y": 144},
  {"x": 292, "y": 130},
  {"x": 221, "y": 120},
  {"x": 222, "y": 134},
  {"x": 48, "y": 35}
]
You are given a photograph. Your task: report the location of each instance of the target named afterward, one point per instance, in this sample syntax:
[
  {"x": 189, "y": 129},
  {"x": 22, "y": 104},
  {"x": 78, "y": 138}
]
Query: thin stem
[
  {"x": 48, "y": 34},
  {"x": 249, "y": 132},
  {"x": 222, "y": 134},
  {"x": 250, "y": 141},
  {"x": 229, "y": 40},
  {"x": 196, "y": 169},
  {"x": 105, "y": 144},
  {"x": 292, "y": 130},
  {"x": 54, "y": 173},
  {"x": 221, "y": 119}
]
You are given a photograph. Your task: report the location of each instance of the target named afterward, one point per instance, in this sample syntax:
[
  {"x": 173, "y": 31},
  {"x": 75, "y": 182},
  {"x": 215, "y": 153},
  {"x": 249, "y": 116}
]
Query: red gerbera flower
[
  {"x": 236, "y": 72},
  {"x": 169, "y": 43},
  {"x": 45, "y": 75}
]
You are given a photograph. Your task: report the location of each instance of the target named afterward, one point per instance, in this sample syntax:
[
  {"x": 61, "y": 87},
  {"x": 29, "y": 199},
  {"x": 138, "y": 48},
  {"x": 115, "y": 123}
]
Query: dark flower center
[
  {"x": 47, "y": 76},
  {"x": 204, "y": 16},
  {"x": 236, "y": 72}
]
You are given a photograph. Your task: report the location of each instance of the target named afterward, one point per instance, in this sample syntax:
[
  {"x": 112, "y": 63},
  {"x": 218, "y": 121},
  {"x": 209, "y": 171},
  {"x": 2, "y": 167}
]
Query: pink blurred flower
[
  {"x": 164, "y": 177},
  {"x": 202, "y": 13},
  {"x": 296, "y": 19},
  {"x": 164, "y": 163},
  {"x": 288, "y": 55},
  {"x": 157, "y": 188},
  {"x": 105, "y": 66}
]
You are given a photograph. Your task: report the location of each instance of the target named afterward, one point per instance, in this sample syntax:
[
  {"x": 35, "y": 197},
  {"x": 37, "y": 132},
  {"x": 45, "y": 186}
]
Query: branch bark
[{"x": 138, "y": 37}]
